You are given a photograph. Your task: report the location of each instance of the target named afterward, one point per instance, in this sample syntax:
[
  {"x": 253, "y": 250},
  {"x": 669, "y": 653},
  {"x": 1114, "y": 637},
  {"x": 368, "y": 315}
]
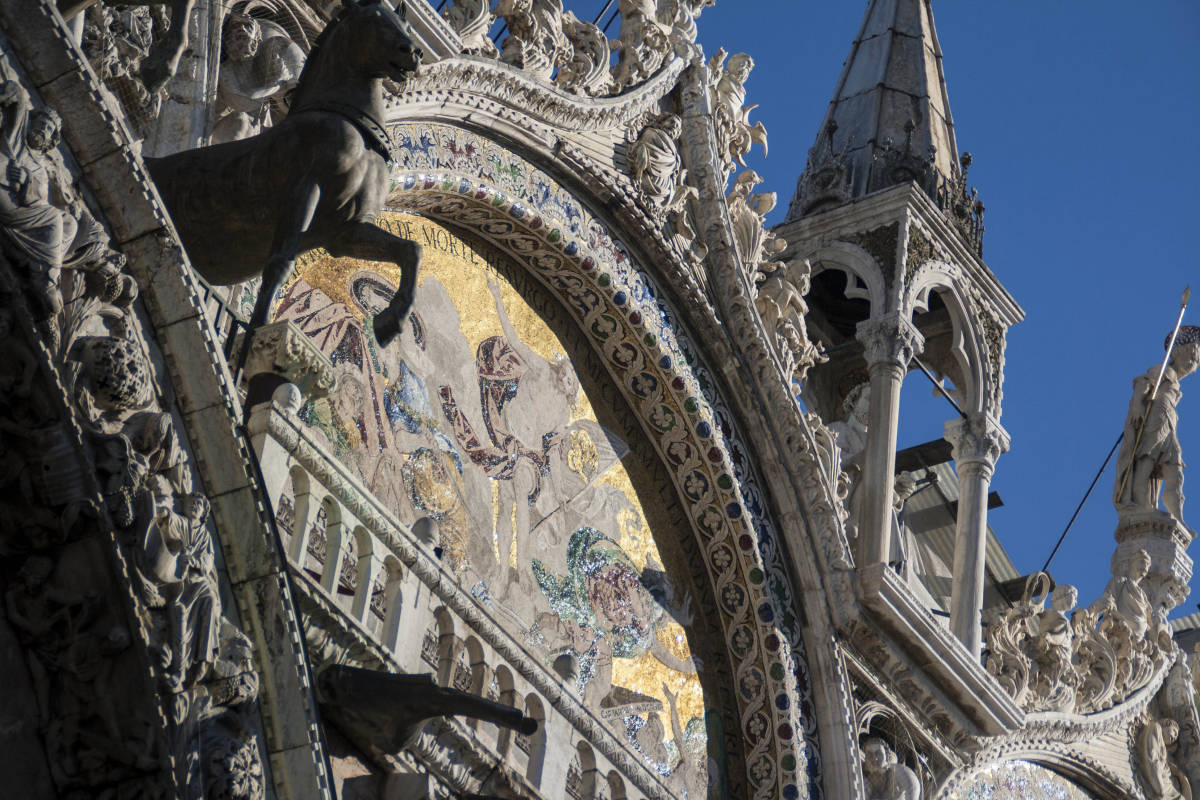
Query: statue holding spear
[{"x": 1150, "y": 461}]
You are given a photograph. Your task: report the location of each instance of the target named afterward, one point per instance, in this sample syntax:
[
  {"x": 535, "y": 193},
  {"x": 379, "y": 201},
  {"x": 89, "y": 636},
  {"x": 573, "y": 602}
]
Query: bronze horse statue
[
  {"x": 317, "y": 179},
  {"x": 385, "y": 712}
]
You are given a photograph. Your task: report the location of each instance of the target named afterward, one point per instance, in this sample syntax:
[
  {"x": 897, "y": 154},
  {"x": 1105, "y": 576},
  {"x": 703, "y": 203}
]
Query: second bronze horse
[{"x": 317, "y": 179}]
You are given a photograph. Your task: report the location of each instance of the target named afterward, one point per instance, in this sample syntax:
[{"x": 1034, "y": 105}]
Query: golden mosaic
[{"x": 475, "y": 417}]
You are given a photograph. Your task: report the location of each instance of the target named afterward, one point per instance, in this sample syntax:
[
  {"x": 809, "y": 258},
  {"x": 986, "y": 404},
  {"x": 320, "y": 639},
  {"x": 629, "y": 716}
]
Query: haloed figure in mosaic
[
  {"x": 603, "y": 610},
  {"x": 1150, "y": 461}
]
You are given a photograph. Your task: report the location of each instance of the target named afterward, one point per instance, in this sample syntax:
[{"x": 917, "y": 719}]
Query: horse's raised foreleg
[
  {"x": 369, "y": 242},
  {"x": 297, "y": 216}
]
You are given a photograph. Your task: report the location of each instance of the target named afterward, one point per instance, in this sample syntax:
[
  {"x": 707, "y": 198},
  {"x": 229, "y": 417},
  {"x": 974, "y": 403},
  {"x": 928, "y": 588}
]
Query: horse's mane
[{"x": 312, "y": 58}]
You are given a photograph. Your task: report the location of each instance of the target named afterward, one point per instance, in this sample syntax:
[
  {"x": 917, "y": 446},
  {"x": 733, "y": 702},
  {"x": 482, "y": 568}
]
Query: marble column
[
  {"x": 889, "y": 343},
  {"x": 977, "y": 442}
]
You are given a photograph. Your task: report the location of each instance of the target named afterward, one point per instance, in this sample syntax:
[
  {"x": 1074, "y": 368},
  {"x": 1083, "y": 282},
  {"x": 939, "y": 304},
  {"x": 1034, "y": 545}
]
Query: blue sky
[{"x": 1082, "y": 116}]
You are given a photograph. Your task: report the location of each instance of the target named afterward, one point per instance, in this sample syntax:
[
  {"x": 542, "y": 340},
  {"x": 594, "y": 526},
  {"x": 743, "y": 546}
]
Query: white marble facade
[{"x": 578, "y": 482}]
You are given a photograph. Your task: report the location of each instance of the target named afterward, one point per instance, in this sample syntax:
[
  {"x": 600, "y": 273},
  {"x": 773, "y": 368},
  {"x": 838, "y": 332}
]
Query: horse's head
[{"x": 382, "y": 46}]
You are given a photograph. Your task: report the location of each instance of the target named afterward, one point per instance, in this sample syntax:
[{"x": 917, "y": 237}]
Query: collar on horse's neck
[{"x": 374, "y": 134}]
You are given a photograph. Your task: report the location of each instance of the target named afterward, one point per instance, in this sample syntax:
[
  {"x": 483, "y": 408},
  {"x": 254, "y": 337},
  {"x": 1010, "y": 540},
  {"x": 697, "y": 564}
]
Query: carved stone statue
[
  {"x": 885, "y": 776},
  {"x": 1161, "y": 777},
  {"x": 1051, "y": 648},
  {"x": 682, "y": 14},
  {"x": 747, "y": 213},
  {"x": 1131, "y": 624},
  {"x": 642, "y": 43},
  {"x": 245, "y": 208},
  {"x": 655, "y": 165},
  {"x": 1125, "y": 597},
  {"x": 851, "y": 431},
  {"x": 731, "y": 116},
  {"x": 116, "y": 42},
  {"x": 386, "y": 711},
  {"x": 195, "y": 613},
  {"x": 781, "y": 303},
  {"x": 536, "y": 42},
  {"x": 260, "y": 65},
  {"x": 1152, "y": 462},
  {"x": 168, "y": 48},
  {"x": 43, "y": 219}
]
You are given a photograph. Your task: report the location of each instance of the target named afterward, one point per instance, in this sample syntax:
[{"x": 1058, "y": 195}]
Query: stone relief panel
[
  {"x": 1019, "y": 780},
  {"x": 476, "y": 418},
  {"x": 112, "y": 576}
]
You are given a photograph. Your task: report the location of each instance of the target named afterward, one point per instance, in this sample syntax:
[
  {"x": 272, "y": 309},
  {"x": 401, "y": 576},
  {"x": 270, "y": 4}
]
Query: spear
[{"x": 1187, "y": 293}]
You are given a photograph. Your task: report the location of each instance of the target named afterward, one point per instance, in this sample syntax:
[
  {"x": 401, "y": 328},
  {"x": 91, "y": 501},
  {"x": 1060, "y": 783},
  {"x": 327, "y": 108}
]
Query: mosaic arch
[
  {"x": 478, "y": 417},
  {"x": 499, "y": 200},
  {"x": 1018, "y": 780}
]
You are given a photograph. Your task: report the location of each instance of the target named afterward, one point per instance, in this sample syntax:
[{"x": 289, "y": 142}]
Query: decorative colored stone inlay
[
  {"x": 585, "y": 269},
  {"x": 1019, "y": 780}
]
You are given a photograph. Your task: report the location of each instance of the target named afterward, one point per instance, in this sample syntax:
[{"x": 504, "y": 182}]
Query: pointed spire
[{"x": 889, "y": 120}]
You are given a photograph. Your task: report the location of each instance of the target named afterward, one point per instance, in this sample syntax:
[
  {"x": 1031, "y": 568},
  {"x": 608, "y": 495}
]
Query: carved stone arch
[
  {"x": 447, "y": 644},
  {"x": 392, "y": 602},
  {"x": 479, "y": 187},
  {"x": 876, "y": 719},
  {"x": 865, "y": 279},
  {"x": 503, "y": 690},
  {"x": 495, "y": 92},
  {"x": 966, "y": 350},
  {"x": 534, "y": 744},
  {"x": 317, "y": 547},
  {"x": 302, "y": 510},
  {"x": 615, "y": 786},
  {"x": 477, "y": 666},
  {"x": 363, "y": 569}
]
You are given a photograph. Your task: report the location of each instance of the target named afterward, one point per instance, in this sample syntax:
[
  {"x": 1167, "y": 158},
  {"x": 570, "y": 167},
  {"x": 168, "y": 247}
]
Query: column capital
[
  {"x": 977, "y": 439},
  {"x": 890, "y": 339}
]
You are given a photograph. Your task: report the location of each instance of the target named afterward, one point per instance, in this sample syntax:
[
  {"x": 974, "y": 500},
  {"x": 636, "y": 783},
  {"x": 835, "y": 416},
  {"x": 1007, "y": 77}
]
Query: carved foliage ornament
[
  {"x": 827, "y": 176},
  {"x": 881, "y": 244},
  {"x": 471, "y": 20},
  {"x": 1081, "y": 662},
  {"x": 781, "y": 303}
]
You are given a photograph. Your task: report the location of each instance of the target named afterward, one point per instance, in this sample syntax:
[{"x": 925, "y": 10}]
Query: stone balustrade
[{"x": 377, "y": 590}]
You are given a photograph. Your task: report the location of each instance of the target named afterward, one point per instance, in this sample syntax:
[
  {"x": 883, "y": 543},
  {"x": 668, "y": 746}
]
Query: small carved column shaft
[
  {"x": 889, "y": 343},
  {"x": 977, "y": 443}
]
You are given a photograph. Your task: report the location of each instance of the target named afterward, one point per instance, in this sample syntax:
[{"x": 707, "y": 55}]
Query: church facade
[{"x": 412, "y": 403}]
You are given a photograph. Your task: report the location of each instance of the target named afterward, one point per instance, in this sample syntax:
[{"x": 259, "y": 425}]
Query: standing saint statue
[
  {"x": 45, "y": 222},
  {"x": 1150, "y": 461}
]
